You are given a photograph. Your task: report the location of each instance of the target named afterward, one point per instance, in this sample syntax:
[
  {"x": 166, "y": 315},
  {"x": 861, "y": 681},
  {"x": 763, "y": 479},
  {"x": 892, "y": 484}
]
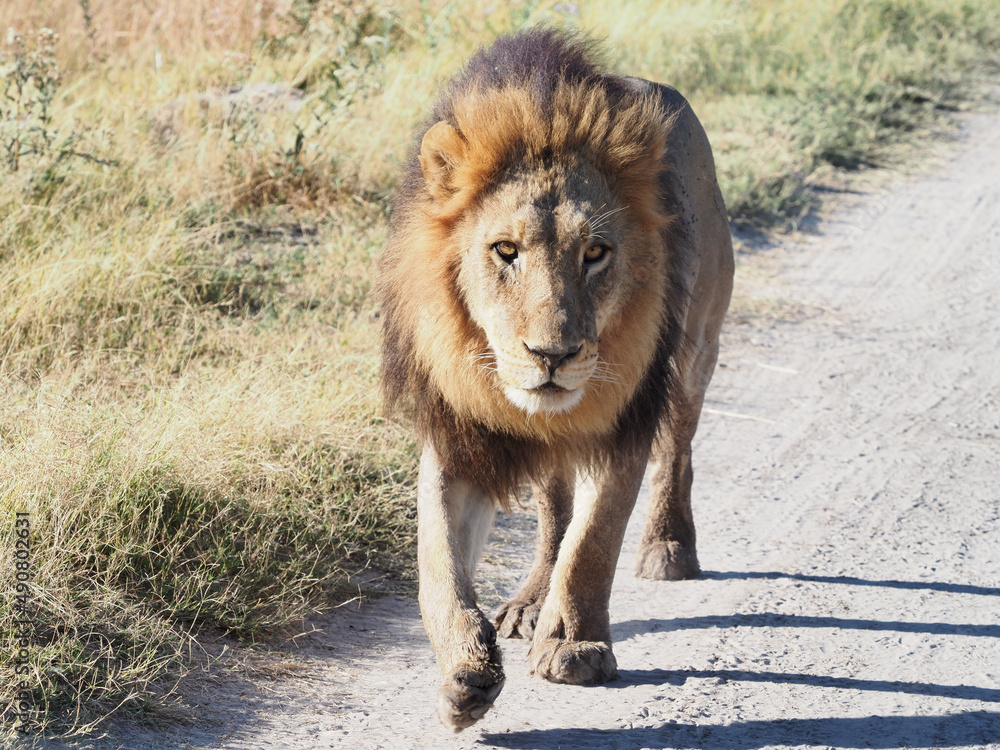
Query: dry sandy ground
[{"x": 847, "y": 495}]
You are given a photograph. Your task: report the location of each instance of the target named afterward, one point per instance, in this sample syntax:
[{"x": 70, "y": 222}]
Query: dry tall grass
[{"x": 187, "y": 344}]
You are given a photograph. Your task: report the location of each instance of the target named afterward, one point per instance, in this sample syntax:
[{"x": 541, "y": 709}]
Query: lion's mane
[{"x": 510, "y": 115}]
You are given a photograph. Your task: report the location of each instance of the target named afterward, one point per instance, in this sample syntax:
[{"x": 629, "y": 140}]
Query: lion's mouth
[
  {"x": 548, "y": 397},
  {"x": 550, "y": 387}
]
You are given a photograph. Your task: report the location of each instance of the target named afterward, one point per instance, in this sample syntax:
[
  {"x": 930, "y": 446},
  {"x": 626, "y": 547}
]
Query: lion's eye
[
  {"x": 506, "y": 250},
  {"x": 595, "y": 253}
]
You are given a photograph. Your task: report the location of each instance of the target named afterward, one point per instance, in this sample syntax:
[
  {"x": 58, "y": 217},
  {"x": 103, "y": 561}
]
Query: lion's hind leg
[
  {"x": 553, "y": 496},
  {"x": 667, "y": 549}
]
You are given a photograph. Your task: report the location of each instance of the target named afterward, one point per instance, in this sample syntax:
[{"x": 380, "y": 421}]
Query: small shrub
[{"x": 29, "y": 135}]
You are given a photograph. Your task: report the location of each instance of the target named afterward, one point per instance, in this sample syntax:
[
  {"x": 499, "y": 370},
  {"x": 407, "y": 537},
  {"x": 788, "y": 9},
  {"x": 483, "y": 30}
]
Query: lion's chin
[{"x": 547, "y": 400}]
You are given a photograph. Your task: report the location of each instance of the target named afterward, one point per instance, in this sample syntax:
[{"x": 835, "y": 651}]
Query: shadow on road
[
  {"x": 975, "y": 729},
  {"x": 949, "y": 588},
  {"x": 677, "y": 677},
  {"x": 629, "y": 628}
]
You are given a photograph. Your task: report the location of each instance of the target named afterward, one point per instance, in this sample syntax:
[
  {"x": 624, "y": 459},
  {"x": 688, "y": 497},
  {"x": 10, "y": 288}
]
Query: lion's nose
[{"x": 552, "y": 357}]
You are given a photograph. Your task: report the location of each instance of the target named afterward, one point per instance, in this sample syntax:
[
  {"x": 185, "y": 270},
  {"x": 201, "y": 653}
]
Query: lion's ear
[{"x": 441, "y": 152}]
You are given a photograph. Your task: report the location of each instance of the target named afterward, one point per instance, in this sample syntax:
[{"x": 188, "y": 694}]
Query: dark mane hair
[
  {"x": 536, "y": 60},
  {"x": 533, "y": 60},
  {"x": 541, "y": 62}
]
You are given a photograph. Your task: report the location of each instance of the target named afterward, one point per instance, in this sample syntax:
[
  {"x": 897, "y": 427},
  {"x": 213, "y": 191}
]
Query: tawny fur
[{"x": 533, "y": 147}]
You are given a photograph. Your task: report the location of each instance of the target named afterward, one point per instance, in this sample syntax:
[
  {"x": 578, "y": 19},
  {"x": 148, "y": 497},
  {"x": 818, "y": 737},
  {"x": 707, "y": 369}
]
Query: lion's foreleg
[
  {"x": 454, "y": 518},
  {"x": 553, "y": 494},
  {"x": 572, "y": 641}
]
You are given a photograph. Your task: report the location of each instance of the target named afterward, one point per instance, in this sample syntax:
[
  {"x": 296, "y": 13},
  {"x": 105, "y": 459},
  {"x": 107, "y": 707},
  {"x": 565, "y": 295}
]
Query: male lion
[{"x": 553, "y": 287}]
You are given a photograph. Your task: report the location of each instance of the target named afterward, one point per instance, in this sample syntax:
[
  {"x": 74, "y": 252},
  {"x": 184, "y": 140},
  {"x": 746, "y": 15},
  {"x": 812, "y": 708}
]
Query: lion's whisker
[
  {"x": 485, "y": 362},
  {"x": 599, "y": 221},
  {"x": 604, "y": 372},
  {"x": 593, "y": 218}
]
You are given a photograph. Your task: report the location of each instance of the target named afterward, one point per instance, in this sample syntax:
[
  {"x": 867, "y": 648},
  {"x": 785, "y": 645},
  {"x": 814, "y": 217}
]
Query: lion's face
[
  {"x": 542, "y": 274},
  {"x": 526, "y": 280}
]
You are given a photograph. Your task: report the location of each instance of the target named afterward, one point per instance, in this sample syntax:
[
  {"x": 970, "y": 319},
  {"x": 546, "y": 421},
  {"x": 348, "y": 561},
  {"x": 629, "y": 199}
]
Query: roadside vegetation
[{"x": 188, "y": 348}]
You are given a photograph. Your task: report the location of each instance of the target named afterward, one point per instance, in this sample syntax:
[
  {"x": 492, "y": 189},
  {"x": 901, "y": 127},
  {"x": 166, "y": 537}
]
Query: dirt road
[{"x": 847, "y": 496}]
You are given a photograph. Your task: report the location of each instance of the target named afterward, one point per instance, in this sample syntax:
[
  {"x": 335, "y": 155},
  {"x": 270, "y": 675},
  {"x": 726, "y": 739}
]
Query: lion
[{"x": 558, "y": 266}]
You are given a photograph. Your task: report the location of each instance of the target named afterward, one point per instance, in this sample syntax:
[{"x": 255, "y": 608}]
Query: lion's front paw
[
  {"x": 667, "y": 561},
  {"x": 467, "y": 694},
  {"x": 517, "y": 619},
  {"x": 573, "y": 662}
]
